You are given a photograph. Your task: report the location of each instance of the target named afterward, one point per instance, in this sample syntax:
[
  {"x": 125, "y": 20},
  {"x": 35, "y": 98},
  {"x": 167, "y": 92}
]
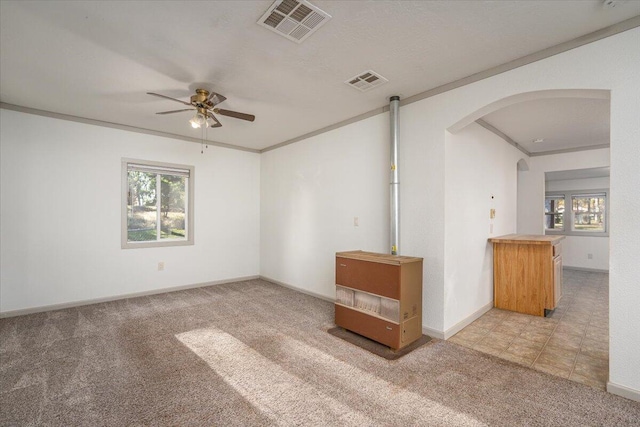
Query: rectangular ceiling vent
[
  {"x": 366, "y": 81},
  {"x": 294, "y": 19}
]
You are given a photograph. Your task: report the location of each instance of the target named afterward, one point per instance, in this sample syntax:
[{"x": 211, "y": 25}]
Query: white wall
[
  {"x": 480, "y": 175},
  {"x": 577, "y": 249},
  {"x": 312, "y": 191},
  {"x": 61, "y": 214},
  {"x": 612, "y": 63}
]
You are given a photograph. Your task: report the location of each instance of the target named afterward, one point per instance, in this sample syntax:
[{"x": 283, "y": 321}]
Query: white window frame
[
  {"x": 558, "y": 196},
  {"x": 189, "y": 223},
  {"x": 568, "y": 219}
]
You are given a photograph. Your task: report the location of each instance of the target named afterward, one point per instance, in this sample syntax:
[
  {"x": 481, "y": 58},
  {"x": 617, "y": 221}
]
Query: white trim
[
  {"x": 467, "y": 320},
  {"x": 623, "y": 391},
  {"x": 591, "y": 270},
  {"x": 77, "y": 119},
  {"x": 295, "y": 288},
  {"x": 43, "y": 308},
  {"x": 433, "y": 333}
]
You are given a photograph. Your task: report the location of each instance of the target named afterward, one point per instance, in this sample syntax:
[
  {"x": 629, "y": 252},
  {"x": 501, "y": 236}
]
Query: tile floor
[{"x": 571, "y": 343}]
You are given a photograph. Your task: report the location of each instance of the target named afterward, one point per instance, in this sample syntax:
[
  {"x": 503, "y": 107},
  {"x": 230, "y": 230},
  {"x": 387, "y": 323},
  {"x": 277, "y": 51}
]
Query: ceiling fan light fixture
[{"x": 198, "y": 120}]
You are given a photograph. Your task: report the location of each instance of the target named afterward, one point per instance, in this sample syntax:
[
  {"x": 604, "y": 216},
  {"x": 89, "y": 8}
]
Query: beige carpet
[{"x": 254, "y": 353}]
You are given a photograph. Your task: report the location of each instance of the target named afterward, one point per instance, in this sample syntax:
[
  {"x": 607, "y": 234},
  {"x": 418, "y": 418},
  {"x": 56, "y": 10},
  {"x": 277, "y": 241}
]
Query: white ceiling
[
  {"x": 97, "y": 59},
  {"x": 563, "y": 123}
]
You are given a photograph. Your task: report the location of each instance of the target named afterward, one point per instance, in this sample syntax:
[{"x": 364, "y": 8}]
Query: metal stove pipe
[{"x": 394, "y": 191}]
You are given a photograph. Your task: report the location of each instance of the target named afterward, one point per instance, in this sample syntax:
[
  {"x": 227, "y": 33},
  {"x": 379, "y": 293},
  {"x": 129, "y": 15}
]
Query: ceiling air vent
[
  {"x": 366, "y": 81},
  {"x": 294, "y": 19}
]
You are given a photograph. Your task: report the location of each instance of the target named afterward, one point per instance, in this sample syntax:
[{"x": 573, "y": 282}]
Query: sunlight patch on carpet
[
  {"x": 289, "y": 399},
  {"x": 284, "y": 398}
]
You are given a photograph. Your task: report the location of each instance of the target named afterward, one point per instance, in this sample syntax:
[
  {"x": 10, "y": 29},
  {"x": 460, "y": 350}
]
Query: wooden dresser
[
  {"x": 527, "y": 273},
  {"x": 379, "y": 296}
]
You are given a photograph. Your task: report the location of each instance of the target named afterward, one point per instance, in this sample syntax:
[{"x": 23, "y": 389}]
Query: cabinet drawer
[
  {"x": 376, "y": 278},
  {"x": 557, "y": 249},
  {"x": 378, "y": 330}
]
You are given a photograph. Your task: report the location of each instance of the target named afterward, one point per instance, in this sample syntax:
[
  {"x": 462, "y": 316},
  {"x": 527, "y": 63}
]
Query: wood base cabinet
[
  {"x": 527, "y": 273},
  {"x": 379, "y": 296}
]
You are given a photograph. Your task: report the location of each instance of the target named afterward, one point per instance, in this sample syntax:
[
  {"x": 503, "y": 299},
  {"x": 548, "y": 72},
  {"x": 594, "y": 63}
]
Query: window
[
  {"x": 588, "y": 212},
  {"x": 157, "y": 204},
  {"x": 554, "y": 212},
  {"x": 586, "y": 216}
]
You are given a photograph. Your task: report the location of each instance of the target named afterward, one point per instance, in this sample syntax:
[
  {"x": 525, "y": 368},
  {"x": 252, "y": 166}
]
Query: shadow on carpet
[{"x": 375, "y": 347}]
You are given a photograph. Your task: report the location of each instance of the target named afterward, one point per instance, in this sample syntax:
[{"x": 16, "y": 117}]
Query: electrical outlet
[
  {"x": 355, "y": 221},
  {"x": 589, "y": 256},
  {"x": 160, "y": 266},
  {"x": 492, "y": 213}
]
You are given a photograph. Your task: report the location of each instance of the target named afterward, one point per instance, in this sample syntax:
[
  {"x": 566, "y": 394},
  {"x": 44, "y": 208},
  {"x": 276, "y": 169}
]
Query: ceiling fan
[{"x": 204, "y": 103}]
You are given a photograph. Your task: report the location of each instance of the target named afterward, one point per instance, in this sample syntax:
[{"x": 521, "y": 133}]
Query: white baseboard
[
  {"x": 40, "y": 309},
  {"x": 623, "y": 391},
  {"x": 467, "y": 320},
  {"x": 591, "y": 270},
  {"x": 295, "y": 288},
  {"x": 433, "y": 333}
]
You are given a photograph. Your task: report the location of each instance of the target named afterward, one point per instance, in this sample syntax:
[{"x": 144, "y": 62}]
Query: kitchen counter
[
  {"x": 531, "y": 239},
  {"x": 527, "y": 273}
]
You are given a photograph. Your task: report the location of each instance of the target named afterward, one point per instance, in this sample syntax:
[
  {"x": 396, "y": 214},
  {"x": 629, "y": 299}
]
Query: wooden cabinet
[
  {"x": 527, "y": 273},
  {"x": 379, "y": 296}
]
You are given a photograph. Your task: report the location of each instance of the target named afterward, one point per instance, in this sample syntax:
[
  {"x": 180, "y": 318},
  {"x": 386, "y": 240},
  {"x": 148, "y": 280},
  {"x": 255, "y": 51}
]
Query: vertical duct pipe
[{"x": 394, "y": 105}]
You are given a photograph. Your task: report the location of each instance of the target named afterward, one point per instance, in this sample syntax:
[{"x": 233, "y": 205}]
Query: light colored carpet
[{"x": 255, "y": 353}]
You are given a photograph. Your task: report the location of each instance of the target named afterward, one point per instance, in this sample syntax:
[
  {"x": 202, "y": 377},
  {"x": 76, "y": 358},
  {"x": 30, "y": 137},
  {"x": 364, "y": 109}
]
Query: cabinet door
[
  {"x": 557, "y": 279},
  {"x": 373, "y": 277}
]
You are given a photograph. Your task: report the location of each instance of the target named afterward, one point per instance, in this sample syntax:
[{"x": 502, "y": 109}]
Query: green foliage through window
[{"x": 156, "y": 205}]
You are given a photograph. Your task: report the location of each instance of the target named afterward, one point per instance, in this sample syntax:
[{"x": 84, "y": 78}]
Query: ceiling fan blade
[
  {"x": 168, "y": 97},
  {"x": 235, "y": 114},
  {"x": 216, "y": 98},
  {"x": 216, "y": 123},
  {"x": 176, "y": 111}
]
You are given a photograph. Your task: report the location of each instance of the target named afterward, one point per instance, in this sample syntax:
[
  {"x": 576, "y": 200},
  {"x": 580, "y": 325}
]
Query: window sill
[
  {"x": 576, "y": 233},
  {"x": 156, "y": 244}
]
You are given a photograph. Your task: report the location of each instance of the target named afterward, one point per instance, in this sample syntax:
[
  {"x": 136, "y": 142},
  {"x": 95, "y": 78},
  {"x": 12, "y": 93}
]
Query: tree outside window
[{"x": 157, "y": 204}]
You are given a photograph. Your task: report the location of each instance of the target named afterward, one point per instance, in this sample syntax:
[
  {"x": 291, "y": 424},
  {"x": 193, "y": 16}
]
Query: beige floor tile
[
  {"x": 536, "y": 345},
  {"x": 522, "y": 351},
  {"x": 486, "y": 349},
  {"x": 567, "y": 342},
  {"x": 562, "y": 359},
  {"x": 570, "y": 328},
  {"x": 598, "y": 334},
  {"x": 595, "y": 383},
  {"x": 524, "y": 361},
  {"x": 498, "y": 344},
  {"x": 461, "y": 341},
  {"x": 553, "y": 370},
  {"x": 509, "y": 329},
  {"x": 486, "y": 323},
  {"x": 576, "y": 318},
  {"x": 500, "y": 336},
  {"x": 586, "y": 362},
  {"x": 477, "y": 330},
  {"x": 538, "y": 336},
  {"x": 594, "y": 374},
  {"x": 469, "y": 335},
  {"x": 572, "y": 342},
  {"x": 594, "y": 352},
  {"x": 597, "y": 344}
]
